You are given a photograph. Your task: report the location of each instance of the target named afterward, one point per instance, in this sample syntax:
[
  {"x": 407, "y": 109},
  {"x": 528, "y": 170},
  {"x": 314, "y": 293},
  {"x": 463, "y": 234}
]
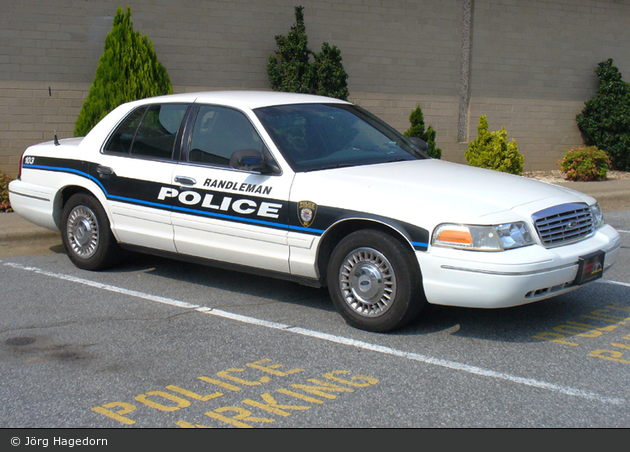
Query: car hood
[{"x": 409, "y": 190}]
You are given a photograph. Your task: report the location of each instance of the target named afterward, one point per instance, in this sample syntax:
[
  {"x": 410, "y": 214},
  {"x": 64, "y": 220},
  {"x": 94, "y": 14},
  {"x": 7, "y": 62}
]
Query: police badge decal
[{"x": 306, "y": 212}]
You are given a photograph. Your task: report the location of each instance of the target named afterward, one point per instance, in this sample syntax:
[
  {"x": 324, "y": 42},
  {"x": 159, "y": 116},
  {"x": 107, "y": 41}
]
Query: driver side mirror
[
  {"x": 419, "y": 143},
  {"x": 248, "y": 160}
]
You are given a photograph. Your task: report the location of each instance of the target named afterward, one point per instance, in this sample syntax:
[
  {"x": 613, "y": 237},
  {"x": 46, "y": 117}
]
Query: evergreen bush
[
  {"x": 329, "y": 77},
  {"x": 289, "y": 70},
  {"x": 295, "y": 68},
  {"x": 417, "y": 130},
  {"x": 492, "y": 150},
  {"x": 585, "y": 164},
  {"x": 128, "y": 70},
  {"x": 605, "y": 119}
]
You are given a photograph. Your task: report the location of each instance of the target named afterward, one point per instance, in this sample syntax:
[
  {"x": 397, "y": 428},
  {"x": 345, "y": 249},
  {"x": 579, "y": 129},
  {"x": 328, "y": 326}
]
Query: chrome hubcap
[
  {"x": 367, "y": 282},
  {"x": 82, "y": 232}
]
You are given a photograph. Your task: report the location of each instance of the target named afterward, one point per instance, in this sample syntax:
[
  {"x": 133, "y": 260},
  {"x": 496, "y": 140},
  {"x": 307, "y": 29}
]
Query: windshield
[{"x": 320, "y": 136}]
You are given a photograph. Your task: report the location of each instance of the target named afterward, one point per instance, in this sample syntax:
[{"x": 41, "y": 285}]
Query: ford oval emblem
[{"x": 571, "y": 226}]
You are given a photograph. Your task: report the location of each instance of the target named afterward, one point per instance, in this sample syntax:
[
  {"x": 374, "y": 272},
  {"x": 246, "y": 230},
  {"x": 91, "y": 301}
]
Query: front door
[{"x": 225, "y": 214}]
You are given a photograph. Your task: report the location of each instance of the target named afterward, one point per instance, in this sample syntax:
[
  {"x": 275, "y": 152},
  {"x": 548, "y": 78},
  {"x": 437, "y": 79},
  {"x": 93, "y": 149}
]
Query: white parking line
[
  {"x": 616, "y": 283},
  {"x": 337, "y": 339}
]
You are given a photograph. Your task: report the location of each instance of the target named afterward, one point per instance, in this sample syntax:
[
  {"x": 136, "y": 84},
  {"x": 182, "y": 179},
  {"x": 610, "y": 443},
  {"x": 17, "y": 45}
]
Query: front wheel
[
  {"x": 374, "y": 281},
  {"x": 86, "y": 233}
]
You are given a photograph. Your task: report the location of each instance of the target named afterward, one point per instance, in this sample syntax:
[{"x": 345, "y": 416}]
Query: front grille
[{"x": 563, "y": 224}]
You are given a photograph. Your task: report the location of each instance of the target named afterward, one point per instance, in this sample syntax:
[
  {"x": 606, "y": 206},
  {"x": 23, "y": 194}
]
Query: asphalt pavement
[
  {"x": 133, "y": 339},
  {"x": 613, "y": 195}
]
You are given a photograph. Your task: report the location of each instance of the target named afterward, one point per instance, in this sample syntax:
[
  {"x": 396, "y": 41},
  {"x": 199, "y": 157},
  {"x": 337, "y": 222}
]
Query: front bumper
[{"x": 509, "y": 278}]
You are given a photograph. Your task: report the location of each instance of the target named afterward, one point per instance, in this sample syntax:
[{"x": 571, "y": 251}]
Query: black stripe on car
[{"x": 228, "y": 206}]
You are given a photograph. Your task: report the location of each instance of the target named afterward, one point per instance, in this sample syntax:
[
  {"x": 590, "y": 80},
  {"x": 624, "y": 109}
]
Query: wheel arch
[
  {"x": 345, "y": 227},
  {"x": 65, "y": 193}
]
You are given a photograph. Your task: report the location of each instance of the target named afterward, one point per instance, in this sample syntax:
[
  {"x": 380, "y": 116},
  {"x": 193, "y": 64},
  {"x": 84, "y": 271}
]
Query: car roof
[{"x": 244, "y": 99}]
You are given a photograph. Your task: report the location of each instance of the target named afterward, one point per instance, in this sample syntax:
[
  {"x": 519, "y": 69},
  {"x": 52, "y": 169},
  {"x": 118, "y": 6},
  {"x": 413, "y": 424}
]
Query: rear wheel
[
  {"x": 86, "y": 233},
  {"x": 374, "y": 281}
]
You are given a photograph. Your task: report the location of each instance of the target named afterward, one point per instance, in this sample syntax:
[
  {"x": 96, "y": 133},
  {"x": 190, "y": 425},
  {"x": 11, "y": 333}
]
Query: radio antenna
[{"x": 56, "y": 141}]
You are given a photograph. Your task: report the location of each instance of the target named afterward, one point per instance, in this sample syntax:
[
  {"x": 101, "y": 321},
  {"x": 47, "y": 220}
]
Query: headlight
[
  {"x": 483, "y": 238},
  {"x": 598, "y": 216}
]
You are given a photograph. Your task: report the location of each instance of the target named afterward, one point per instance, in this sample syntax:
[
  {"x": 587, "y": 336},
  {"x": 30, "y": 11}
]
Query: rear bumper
[
  {"x": 33, "y": 203},
  {"x": 509, "y": 278}
]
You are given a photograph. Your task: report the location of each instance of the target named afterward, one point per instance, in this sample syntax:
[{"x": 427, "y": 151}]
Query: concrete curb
[{"x": 15, "y": 228}]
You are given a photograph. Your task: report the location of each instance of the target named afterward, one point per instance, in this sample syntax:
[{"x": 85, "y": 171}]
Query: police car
[{"x": 316, "y": 190}]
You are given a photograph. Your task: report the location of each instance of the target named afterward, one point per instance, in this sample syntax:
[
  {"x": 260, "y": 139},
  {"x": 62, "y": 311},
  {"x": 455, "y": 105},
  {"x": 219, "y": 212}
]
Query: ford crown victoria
[{"x": 313, "y": 189}]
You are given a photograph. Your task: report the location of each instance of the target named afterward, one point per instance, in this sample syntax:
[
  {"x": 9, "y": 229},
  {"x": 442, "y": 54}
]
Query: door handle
[
  {"x": 185, "y": 180},
  {"x": 105, "y": 171}
]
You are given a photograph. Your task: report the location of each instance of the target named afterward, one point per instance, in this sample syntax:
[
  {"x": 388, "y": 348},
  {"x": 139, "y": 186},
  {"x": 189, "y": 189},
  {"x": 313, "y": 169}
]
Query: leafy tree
[
  {"x": 605, "y": 119},
  {"x": 492, "y": 150},
  {"x": 128, "y": 70},
  {"x": 295, "y": 68},
  {"x": 417, "y": 130}
]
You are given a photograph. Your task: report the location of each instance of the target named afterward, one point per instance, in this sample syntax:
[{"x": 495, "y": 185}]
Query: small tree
[
  {"x": 289, "y": 70},
  {"x": 128, "y": 70},
  {"x": 417, "y": 130},
  {"x": 329, "y": 77},
  {"x": 492, "y": 150},
  {"x": 605, "y": 119},
  {"x": 295, "y": 68}
]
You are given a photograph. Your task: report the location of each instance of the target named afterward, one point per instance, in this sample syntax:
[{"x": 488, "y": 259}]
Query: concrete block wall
[
  {"x": 531, "y": 69},
  {"x": 31, "y": 112}
]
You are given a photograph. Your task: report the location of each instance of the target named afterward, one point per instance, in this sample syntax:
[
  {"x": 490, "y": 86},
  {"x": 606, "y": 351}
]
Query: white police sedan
[{"x": 316, "y": 190}]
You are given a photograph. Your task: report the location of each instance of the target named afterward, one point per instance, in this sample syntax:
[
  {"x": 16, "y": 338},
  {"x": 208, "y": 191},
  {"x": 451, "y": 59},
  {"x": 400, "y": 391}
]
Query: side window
[
  {"x": 155, "y": 136},
  {"x": 218, "y": 132},
  {"x": 148, "y": 131},
  {"x": 120, "y": 141}
]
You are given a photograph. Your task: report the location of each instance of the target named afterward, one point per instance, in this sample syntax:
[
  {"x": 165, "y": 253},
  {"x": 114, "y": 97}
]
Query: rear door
[
  {"x": 136, "y": 165},
  {"x": 222, "y": 213}
]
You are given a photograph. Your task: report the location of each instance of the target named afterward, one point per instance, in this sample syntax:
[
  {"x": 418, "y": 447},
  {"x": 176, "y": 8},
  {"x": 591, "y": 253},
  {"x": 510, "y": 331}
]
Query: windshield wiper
[{"x": 336, "y": 165}]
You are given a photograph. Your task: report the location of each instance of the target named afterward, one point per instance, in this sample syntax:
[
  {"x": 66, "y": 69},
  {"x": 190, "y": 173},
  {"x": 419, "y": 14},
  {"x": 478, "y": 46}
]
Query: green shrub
[
  {"x": 128, "y": 70},
  {"x": 417, "y": 130},
  {"x": 289, "y": 69},
  {"x": 5, "y": 205},
  {"x": 492, "y": 150},
  {"x": 292, "y": 69},
  {"x": 605, "y": 119},
  {"x": 329, "y": 77},
  {"x": 585, "y": 164}
]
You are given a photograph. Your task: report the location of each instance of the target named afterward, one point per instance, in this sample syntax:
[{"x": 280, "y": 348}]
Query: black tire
[
  {"x": 86, "y": 234},
  {"x": 375, "y": 282}
]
